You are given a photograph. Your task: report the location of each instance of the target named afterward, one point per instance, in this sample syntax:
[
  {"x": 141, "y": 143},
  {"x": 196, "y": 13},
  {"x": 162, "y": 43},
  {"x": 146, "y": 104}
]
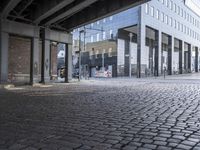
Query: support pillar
[
  {"x": 69, "y": 61},
  {"x": 127, "y": 50},
  {"x": 159, "y": 52},
  {"x": 4, "y": 40},
  {"x": 169, "y": 55},
  {"x": 183, "y": 57},
  {"x": 45, "y": 64},
  {"x": 181, "y": 46},
  {"x": 141, "y": 31},
  {"x": 35, "y": 54},
  {"x": 196, "y": 59},
  {"x": 172, "y": 56},
  {"x": 156, "y": 45},
  {"x": 189, "y": 58},
  {"x": 66, "y": 63}
]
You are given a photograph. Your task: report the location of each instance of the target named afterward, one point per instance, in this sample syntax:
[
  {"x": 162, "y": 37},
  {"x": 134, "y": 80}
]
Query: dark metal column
[
  {"x": 66, "y": 63},
  {"x": 156, "y": 43},
  {"x": 169, "y": 55},
  {"x": 139, "y": 32},
  {"x": 180, "y": 56},
  {"x": 196, "y": 59},
  {"x": 189, "y": 57},
  {"x": 126, "y": 63}
]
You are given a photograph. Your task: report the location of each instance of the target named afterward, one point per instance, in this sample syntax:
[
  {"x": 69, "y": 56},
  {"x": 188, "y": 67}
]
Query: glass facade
[{"x": 155, "y": 38}]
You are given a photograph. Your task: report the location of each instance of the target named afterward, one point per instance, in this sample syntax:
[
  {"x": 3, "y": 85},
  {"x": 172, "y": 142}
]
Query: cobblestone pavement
[{"x": 113, "y": 114}]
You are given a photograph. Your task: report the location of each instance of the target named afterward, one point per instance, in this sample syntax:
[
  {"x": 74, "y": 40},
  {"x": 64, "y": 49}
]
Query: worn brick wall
[{"x": 19, "y": 59}]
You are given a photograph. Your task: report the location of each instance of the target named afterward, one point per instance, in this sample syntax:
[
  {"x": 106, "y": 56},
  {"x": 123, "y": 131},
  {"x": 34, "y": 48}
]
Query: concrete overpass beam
[
  {"x": 11, "y": 4},
  {"x": 48, "y": 8}
]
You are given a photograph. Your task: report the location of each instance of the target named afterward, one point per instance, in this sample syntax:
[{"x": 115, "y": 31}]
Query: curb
[{"x": 6, "y": 86}]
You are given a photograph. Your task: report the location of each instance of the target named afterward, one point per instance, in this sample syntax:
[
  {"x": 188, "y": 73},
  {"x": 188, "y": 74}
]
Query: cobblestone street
[{"x": 113, "y": 114}]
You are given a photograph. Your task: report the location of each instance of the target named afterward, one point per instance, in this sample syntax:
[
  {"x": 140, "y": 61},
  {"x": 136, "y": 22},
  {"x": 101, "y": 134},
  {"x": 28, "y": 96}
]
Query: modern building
[{"x": 161, "y": 36}]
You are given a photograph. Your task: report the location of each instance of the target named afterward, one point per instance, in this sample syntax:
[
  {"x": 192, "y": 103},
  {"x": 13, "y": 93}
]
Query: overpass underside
[{"x": 28, "y": 28}]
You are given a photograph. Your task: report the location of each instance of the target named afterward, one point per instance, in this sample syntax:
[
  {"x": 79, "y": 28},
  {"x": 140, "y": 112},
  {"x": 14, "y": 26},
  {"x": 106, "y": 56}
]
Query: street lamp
[{"x": 130, "y": 67}]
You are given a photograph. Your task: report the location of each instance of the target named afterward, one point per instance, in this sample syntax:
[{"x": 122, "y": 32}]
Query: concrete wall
[{"x": 8, "y": 28}]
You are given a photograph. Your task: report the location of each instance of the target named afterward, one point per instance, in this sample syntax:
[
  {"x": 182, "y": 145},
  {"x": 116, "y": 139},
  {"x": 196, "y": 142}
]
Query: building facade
[{"x": 159, "y": 37}]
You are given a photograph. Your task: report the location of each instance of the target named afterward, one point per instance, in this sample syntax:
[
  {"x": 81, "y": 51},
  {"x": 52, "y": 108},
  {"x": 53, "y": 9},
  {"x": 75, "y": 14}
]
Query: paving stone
[
  {"x": 102, "y": 114},
  {"x": 182, "y": 146}
]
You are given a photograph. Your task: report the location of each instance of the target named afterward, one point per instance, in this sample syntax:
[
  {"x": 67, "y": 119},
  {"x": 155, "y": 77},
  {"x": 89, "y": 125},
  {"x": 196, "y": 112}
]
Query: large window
[
  {"x": 157, "y": 14},
  {"x": 147, "y": 8},
  {"x": 152, "y": 11}
]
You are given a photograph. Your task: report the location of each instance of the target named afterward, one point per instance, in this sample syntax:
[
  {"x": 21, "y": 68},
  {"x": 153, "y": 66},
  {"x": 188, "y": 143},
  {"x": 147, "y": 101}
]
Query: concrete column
[
  {"x": 189, "y": 58},
  {"x": 169, "y": 55},
  {"x": 141, "y": 34},
  {"x": 4, "y": 40},
  {"x": 66, "y": 63},
  {"x": 181, "y": 47},
  {"x": 172, "y": 55},
  {"x": 35, "y": 54},
  {"x": 183, "y": 66},
  {"x": 45, "y": 65},
  {"x": 126, "y": 65},
  {"x": 196, "y": 59},
  {"x": 159, "y": 51},
  {"x": 69, "y": 62}
]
